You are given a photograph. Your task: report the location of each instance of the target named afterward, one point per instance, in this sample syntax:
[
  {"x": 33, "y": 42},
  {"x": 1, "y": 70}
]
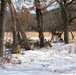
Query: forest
[{"x": 37, "y": 37}]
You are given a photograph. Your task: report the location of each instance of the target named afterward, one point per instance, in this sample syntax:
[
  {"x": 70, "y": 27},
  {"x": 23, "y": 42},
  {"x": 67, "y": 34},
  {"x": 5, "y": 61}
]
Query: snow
[{"x": 60, "y": 59}]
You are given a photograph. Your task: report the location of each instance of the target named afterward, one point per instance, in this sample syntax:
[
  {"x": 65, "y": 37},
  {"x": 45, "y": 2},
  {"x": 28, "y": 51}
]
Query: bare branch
[
  {"x": 42, "y": 8},
  {"x": 48, "y": 5},
  {"x": 58, "y": 2},
  {"x": 71, "y": 2},
  {"x": 72, "y": 19}
]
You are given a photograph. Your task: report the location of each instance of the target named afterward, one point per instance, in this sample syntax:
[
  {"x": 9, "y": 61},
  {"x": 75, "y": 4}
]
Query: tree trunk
[
  {"x": 2, "y": 25},
  {"x": 15, "y": 18},
  {"x": 39, "y": 18},
  {"x": 24, "y": 37},
  {"x": 41, "y": 37},
  {"x": 14, "y": 25},
  {"x": 65, "y": 23}
]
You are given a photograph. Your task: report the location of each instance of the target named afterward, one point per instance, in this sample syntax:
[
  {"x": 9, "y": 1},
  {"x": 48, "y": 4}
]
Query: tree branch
[
  {"x": 72, "y": 19},
  {"x": 73, "y": 1}
]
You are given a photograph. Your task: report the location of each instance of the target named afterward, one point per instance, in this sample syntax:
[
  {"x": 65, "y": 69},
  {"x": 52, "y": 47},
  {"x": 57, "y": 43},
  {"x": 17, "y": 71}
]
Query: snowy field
[{"x": 57, "y": 60}]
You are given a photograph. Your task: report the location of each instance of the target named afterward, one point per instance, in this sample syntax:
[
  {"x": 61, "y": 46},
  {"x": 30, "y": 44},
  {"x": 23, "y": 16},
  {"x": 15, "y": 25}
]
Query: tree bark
[
  {"x": 24, "y": 37},
  {"x": 65, "y": 23},
  {"x": 39, "y": 18},
  {"x": 15, "y": 18},
  {"x": 64, "y": 4},
  {"x": 13, "y": 14},
  {"x": 2, "y": 25}
]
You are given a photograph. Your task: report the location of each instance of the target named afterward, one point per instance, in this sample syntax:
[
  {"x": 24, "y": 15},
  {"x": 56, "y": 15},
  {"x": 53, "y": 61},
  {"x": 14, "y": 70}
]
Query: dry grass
[{"x": 35, "y": 34}]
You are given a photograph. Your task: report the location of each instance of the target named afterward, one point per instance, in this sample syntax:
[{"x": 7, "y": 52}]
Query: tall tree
[
  {"x": 39, "y": 18},
  {"x": 64, "y": 4},
  {"x": 13, "y": 14},
  {"x": 16, "y": 19},
  {"x": 2, "y": 25}
]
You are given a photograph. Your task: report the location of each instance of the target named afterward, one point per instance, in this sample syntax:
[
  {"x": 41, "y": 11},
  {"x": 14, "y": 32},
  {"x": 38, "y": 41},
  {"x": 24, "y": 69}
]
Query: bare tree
[
  {"x": 2, "y": 25},
  {"x": 14, "y": 25},
  {"x": 39, "y": 18},
  {"x": 19, "y": 25},
  {"x": 64, "y": 4}
]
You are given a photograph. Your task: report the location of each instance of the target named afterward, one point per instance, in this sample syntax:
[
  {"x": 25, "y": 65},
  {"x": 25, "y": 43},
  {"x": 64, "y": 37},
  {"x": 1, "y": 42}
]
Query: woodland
[{"x": 57, "y": 17}]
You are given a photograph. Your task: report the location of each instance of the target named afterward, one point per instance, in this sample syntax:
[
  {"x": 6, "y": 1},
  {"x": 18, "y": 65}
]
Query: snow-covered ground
[{"x": 57, "y": 60}]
